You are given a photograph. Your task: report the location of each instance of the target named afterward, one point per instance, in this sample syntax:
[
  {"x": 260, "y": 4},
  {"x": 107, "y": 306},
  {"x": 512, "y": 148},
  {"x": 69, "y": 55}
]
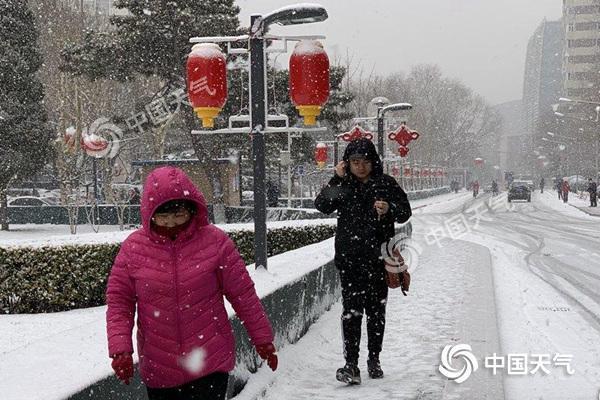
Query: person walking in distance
[
  {"x": 593, "y": 191},
  {"x": 559, "y": 188},
  {"x": 368, "y": 203},
  {"x": 566, "y": 188}
]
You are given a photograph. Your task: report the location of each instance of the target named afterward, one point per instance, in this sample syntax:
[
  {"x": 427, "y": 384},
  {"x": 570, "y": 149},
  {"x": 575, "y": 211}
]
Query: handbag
[{"x": 397, "y": 275}]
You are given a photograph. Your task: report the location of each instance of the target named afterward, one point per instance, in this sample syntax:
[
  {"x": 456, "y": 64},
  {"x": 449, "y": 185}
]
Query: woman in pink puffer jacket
[{"x": 176, "y": 270}]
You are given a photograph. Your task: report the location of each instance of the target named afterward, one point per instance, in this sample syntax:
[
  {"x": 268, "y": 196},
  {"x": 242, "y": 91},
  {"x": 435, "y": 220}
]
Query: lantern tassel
[
  {"x": 207, "y": 115},
  {"x": 309, "y": 113}
]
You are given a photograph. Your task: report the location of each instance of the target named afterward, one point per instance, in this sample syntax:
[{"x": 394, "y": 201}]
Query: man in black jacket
[
  {"x": 368, "y": 202},
  {"x": 593, "y": 191}
]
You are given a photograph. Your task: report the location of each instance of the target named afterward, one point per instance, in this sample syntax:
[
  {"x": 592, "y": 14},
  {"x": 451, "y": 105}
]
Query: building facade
[
  {"x": 581, "y": 57},
  {"x": 543, "y": 79}
]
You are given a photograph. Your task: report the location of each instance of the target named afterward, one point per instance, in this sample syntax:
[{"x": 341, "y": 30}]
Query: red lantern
[
  {"x": 94, "y": 145},
  {"x": 207, "y": 81},
  {"x": 355, "y": 133},
  {"x": 407, "y": 171},
  {"x": 395, "y": 170},
  {"x": 309, "y": 79},
  {"x": 321, "y": 155},
  {"x": 69, "y": 139}
]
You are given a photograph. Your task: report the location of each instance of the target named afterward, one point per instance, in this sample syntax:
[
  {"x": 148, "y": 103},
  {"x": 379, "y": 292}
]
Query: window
[{"x": 572, "y": 43}]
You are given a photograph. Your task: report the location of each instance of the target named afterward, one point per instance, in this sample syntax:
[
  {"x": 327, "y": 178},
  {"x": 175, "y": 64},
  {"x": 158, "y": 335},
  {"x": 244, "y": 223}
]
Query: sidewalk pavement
[{"x": 595, "y": 211}]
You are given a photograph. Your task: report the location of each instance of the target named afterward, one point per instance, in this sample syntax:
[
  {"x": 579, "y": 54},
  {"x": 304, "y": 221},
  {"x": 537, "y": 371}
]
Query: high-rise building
[
  {"x": 581, "y": 62},
  {"x": 542, "y": 85}
]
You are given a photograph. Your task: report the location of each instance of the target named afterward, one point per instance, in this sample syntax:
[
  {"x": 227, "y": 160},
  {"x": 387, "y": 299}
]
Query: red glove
[
  {"x": 122, "y": 363},
  {"x": 268, "y": 352}
]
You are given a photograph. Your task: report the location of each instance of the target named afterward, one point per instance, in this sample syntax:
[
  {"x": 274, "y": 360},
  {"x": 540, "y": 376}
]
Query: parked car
[
  {"x": 28, "y": 201},
  {"x": 519, "y": 192}
]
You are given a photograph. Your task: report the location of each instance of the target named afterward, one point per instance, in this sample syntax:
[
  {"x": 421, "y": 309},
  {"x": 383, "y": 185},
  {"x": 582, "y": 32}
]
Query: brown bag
[{"x": 397, "y": 276}]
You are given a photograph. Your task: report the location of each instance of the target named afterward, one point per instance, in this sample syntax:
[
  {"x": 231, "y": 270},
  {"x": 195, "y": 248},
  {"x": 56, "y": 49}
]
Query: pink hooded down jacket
[{"x": 178, "y": 286}]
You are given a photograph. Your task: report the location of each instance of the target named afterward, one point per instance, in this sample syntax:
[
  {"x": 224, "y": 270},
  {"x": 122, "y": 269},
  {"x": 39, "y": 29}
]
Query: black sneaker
[
  {"x": 374, "y": 368},
  {"x": 349, "y": 374}
]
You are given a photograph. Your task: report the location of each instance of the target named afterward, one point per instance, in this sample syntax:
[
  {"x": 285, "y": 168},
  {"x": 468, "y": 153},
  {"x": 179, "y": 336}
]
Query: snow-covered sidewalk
[{"x": 451, "y": 301}]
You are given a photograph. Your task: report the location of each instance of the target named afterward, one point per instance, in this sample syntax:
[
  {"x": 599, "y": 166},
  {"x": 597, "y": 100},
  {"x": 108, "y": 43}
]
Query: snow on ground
[
  {"x": 547, "y": 291},
  {"x": 32, "y": 345},
  {"x": 576, "y": 207},
  {"x": 58, "y": 235},
  {"x": 444, "y": 299},
  {"x": 544, "y": 258}
]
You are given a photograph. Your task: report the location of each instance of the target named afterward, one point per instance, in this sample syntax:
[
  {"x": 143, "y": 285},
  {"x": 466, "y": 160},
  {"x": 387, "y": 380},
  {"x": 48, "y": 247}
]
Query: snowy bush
[
  {"x": 48, "y": 279},
  {"x": 60, "y": 278}
]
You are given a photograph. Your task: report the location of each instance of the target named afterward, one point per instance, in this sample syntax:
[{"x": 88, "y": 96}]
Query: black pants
[
  {"x": 565, "y": 197},
  {"x": 363, "y": 291},
  {"x": 593, "y": 200},
  {"x": 210, "y": 387}
]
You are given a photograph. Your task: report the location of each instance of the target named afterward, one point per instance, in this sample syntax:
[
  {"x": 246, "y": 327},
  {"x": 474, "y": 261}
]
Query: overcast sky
[{"x": 481, "y": 42}]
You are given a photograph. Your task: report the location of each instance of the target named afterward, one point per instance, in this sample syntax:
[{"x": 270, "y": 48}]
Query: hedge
[{"x": 61, "y": 278}]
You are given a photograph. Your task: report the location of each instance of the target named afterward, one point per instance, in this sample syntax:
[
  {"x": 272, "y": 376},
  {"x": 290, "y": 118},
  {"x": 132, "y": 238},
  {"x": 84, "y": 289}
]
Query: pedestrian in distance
[
  {"x": 134, "y": 196},
  {"x": 559, "y": 188},
  {"x": 368, "y": 203},
  {"x": 566, "y": 188},
  {"x": 176, "y": 271},
  {"x": 475, "y": 188},
  {"x": 593, "y": 191},
  {"x": 542, "y": 182}
]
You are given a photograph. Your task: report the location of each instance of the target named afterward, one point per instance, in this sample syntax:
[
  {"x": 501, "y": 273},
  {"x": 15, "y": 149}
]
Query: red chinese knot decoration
[
  {"x": 403, "y": 136},
  {"x": 355, "y": 133}
]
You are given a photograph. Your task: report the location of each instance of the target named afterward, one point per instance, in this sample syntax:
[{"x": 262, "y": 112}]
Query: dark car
[{"x": 519, "y": 192}]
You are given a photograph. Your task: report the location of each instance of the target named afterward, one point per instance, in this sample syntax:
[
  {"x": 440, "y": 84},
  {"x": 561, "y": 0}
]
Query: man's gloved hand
[
  {"x": 268, "y": 352},
  {"x": 122, "y": 363}
]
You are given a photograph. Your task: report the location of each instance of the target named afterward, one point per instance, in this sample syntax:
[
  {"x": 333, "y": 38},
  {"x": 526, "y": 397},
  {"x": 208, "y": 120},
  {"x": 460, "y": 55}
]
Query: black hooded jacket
[{"x": 360, "y": 232}]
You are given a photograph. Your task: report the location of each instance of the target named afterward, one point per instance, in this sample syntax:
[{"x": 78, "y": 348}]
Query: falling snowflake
[{"x": 194, "y": 361}]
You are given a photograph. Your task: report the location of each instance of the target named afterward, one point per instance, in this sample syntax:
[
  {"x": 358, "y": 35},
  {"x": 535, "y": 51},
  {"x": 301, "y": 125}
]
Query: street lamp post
[
  {"x": 289, "y": 15},
  {"x": 382, "y": 108},
  {"x": 258, "y": 26}
]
